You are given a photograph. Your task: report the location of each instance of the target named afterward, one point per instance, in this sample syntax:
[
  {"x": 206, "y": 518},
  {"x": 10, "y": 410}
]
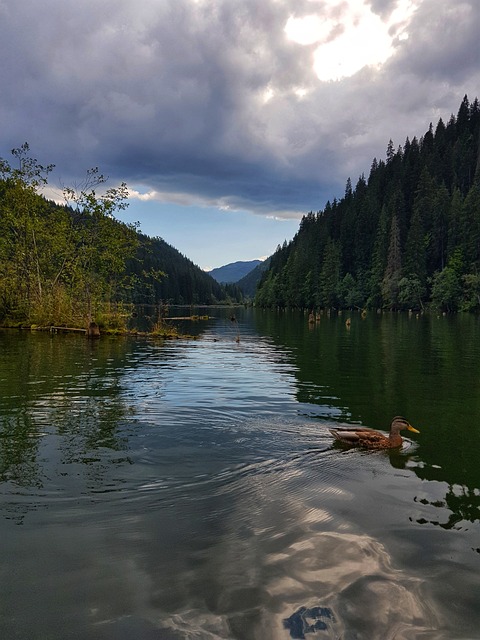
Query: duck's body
[{"x": 371, "y": 439}]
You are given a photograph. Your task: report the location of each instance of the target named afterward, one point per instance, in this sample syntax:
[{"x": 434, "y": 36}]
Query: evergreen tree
[
  {"x": 470, "y": 227},
  {"x": 330, "y": 276},
  {"x": 455, "y": 233},
  {"x": 422, "y": 219},
  {"x": 437, "y": 250},
  {"x": 393, "y": 269},
  {"x": 407, "y": 237},
  {"x": 379, "y": 260}
]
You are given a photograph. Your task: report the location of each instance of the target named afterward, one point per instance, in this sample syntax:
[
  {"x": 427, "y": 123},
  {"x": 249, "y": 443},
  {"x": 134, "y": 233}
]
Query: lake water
[{"x": 190, "y": 489}]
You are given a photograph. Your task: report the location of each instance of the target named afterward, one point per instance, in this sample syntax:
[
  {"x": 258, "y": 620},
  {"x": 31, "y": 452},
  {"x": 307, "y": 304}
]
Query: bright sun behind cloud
[{"x": 350, "y": 36}]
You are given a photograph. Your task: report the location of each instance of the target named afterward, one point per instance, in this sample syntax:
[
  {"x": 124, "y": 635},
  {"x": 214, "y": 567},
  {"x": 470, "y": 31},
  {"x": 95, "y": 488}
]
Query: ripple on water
[
  {"x": 339, "y": 583},
  {"x": 191, "y": 494}
]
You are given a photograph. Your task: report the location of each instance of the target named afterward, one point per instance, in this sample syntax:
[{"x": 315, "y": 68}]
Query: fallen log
[{"x": 60, "y": 329}]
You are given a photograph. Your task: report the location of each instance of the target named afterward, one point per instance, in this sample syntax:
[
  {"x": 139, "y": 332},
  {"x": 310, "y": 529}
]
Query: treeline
[
  {"x": 406, "y": 237},
  {"x": 77, "y": 263}
]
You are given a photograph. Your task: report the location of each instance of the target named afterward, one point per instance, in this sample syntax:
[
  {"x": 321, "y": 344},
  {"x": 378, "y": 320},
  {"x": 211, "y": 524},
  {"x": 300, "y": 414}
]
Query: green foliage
[
  {"x": 350, "y": 296},
  {"x": 58, "y": 264},
  {"x": 446, "y": 290},
  {"x": 26, "y": 235},
  {"x": 471, "y": 292},
  {"x": 393, "y": 270},
  {"x": 411, "y": 292},
  {"x": 76, "y": 263},
  {"x": 406, "y": 238},
  {"x": 101, "y": 244},
  {"x": 330, "y": 276}
]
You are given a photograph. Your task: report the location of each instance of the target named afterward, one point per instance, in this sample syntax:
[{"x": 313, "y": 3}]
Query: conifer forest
[{"x": 405, "y": 237}]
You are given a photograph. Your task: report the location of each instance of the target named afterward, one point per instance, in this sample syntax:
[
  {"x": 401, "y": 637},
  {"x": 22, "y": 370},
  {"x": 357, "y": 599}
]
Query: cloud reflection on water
[
  {"x": 350, "y": 575},
  {"x": 278, "y": 553},
  {"x": 189, "y": 494}
]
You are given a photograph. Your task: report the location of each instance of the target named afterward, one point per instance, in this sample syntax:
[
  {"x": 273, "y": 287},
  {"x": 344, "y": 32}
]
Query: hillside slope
[
  {"x": 406, "y": 237},
  {"x": 234, "y": 271},
  {"x": 183, "y": 281}
]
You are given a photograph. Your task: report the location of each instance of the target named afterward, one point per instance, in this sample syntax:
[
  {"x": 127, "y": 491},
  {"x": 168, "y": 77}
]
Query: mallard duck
[{"x": 370, "y": 439}]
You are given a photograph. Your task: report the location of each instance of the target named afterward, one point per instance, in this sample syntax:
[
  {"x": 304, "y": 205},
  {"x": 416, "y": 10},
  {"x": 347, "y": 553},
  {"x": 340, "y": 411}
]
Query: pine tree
[
  {"x": 393, "y": 269},
  {"x": 330, "y": 276},
  {"x": 421, "y": 221},
  {"x": 396, "y": 234},
  {"x": 379, "y": 260},
  {"x": 437, "y": 250}
]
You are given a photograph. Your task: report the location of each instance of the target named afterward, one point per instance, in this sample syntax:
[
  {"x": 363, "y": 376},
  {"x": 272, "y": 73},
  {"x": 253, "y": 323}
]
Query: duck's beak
[{"x": 410, "y": 428}]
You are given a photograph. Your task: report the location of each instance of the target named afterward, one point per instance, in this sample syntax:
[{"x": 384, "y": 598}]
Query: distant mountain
[
  {"x": 234, "y": 271},
  {"x": 248, "y": 284}
]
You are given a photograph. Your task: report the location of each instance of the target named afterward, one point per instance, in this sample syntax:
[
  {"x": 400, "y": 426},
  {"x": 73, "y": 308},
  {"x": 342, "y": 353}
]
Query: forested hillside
[
  {"x": 73, "y": 264},
  {"x": 163, "y": 274},
  {"x": 248, "y": 284},
  {"x": 403, "y": 238}
]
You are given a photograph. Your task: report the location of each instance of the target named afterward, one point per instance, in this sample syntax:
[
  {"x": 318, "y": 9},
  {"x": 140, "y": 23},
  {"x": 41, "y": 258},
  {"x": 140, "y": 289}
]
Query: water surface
[{"x": 190, "y": 489}]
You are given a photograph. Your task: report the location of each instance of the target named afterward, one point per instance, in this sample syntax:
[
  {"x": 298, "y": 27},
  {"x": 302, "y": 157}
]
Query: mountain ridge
[{"x": 233, "y": 271}]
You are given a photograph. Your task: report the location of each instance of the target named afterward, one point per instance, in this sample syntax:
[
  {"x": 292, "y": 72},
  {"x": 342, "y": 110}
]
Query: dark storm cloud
[
  {"x": 383, "y": 7},
  {"x": 201, "y": 98},
  {"x": 444, "y": 44}
]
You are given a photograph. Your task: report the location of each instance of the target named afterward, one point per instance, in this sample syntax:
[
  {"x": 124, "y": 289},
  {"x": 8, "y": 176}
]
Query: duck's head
[{"x": 399, "y": 424}]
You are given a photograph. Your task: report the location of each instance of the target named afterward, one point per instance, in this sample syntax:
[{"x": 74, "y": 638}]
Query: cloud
[
  {"x": 444, "y": 45},
  {"x": 383, "y": 8},
  {"x": 212, "y": 102},
  {"x": 226, "y": 203}
]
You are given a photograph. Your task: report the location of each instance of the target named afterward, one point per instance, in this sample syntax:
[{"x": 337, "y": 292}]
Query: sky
[{"x": 228, "y": 119}]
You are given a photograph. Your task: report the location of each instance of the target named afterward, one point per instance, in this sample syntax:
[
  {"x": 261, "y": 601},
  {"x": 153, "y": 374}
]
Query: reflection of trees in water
[
  {"x": 61, "y": 403},
  {"x": 18, "y": 451},
  {"x": 34, "y": 442},
  {"x": 462, "y": 502},
  {"x": 391, "y": 363},
  {"x": 91, "y": 423}
]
